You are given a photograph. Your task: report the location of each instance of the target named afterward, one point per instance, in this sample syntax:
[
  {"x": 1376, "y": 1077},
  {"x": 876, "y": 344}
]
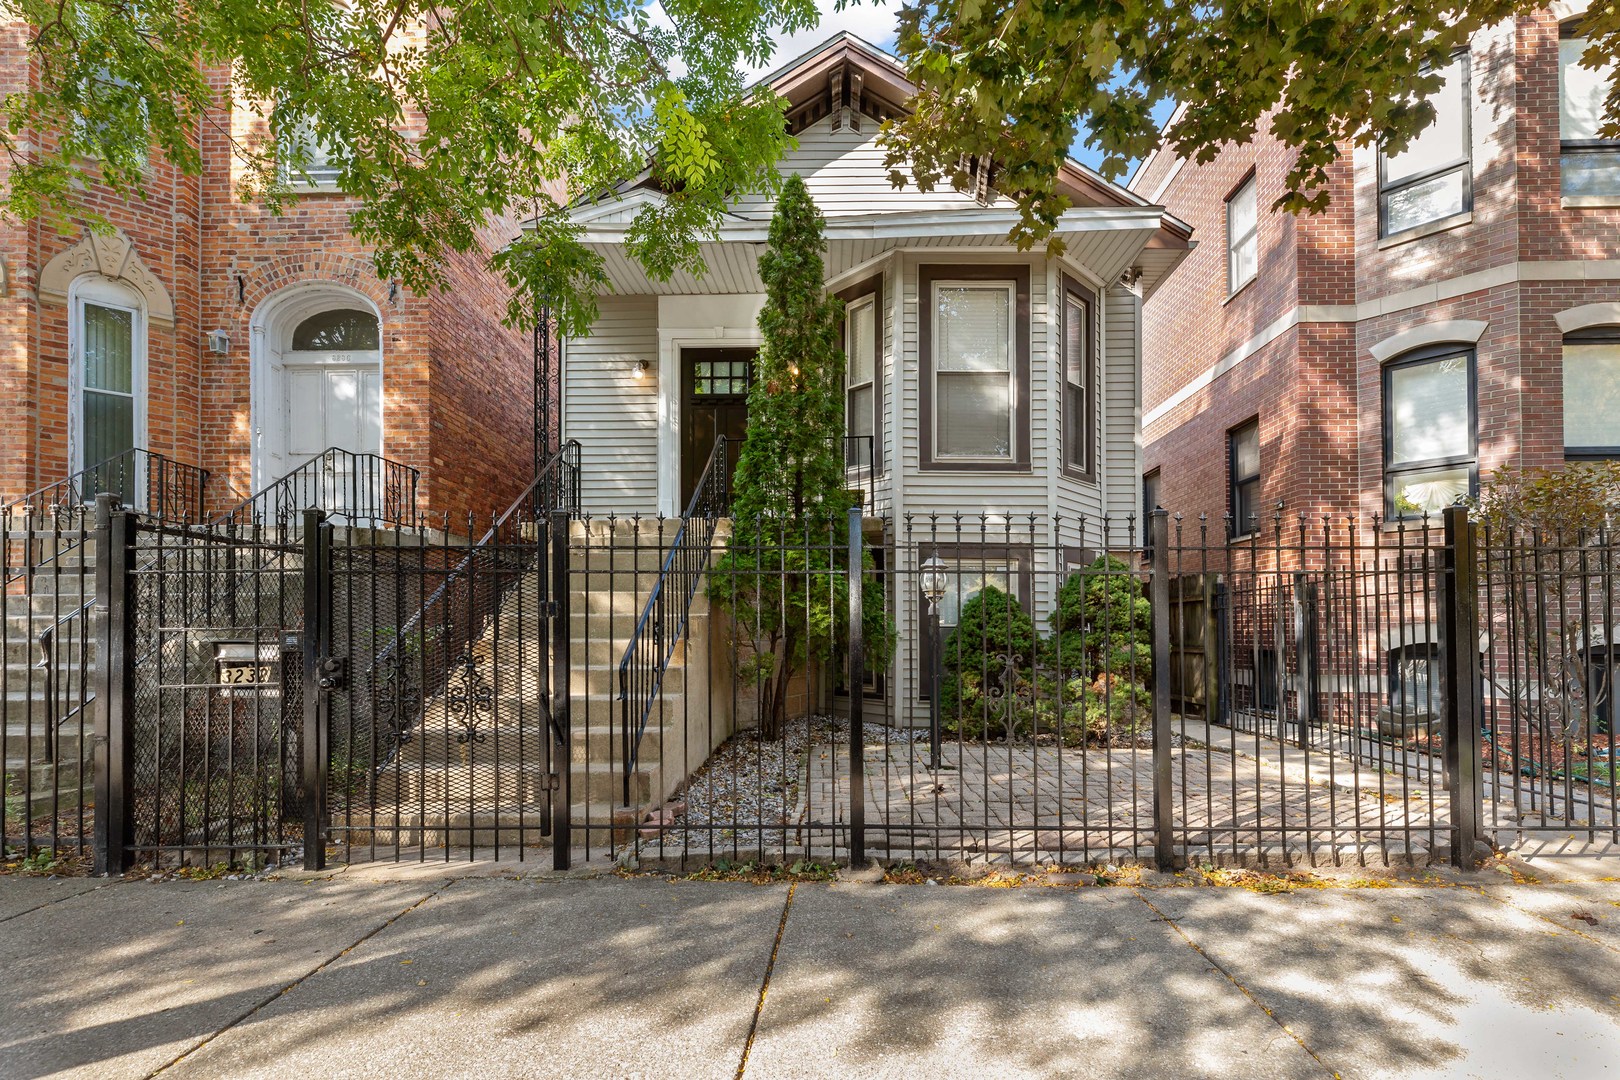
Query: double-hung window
[
  {"x": 1430, "y": 442},
  {"x": 975, "y": 379},
  {"x": 1242, "y": 235},
  {"x": 1590, "y": 163},
  {"x": 1592, "y": 393},
  {"x": 308, "y": 161},
  {"x": 1079, "y": 408},
  {"x": 1243, "y": 459},
  {"x": 860, "y": 381},
  {"x": 1431, "y": 179}
]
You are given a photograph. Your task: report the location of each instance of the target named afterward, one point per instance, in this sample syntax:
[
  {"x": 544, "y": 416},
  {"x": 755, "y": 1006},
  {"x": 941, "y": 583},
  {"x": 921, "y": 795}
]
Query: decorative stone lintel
[{"x": 112, "y": 256}]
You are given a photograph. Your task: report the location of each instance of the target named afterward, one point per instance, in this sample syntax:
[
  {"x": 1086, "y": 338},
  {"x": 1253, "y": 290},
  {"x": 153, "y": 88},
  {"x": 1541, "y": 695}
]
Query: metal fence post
[
  {"x": 1305, "y": 715},
  {"x": 561, "y": 696},
  {"x": 317, "y": 641},
  {"x": 856, "y": 680},
  {"x": 115, "y": 687},
  {"x": 1460, "y": 681},
  {"x": 1159, "y": 598}
]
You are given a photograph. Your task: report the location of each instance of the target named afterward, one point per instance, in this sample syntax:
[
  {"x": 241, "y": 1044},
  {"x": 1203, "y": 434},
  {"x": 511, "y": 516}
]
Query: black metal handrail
[
  {"x": 365, "y": 488},
  {"x": 556, "y": 487},
  {"x": 668, "y": 610},
  {"x": 171, "y": 491}
]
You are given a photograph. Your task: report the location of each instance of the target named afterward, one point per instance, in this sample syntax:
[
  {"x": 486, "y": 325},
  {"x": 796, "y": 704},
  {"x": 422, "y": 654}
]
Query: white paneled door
[{"x": 337, "y": 405}]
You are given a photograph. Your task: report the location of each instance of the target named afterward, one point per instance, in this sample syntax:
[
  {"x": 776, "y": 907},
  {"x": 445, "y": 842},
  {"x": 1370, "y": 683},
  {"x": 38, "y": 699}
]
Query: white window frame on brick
[
  {"x": 1457, "y": 169},
  {"x": 1242, "y": 236},
  {"x": 317, "y": 172},
  {"x": 1580, "y": 96}
]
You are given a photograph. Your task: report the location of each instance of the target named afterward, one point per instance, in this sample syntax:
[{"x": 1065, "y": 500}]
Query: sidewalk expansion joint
[
  {"x": 296, "y": 983},
  {"x": 1233, "y": 979},
  {"x": 60, "y": 899},
  {"x": 765, "y": 985}
]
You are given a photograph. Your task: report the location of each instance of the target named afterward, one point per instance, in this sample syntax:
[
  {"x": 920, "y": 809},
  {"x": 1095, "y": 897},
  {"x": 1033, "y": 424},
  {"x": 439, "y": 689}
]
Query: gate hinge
[{"x": 553, "y": 782}]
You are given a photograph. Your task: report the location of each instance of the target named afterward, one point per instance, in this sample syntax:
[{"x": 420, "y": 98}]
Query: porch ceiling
[{"x": 1104, "y": 240}]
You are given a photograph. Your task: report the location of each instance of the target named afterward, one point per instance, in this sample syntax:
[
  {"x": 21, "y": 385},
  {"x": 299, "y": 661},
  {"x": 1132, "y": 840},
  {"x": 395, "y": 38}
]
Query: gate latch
[{"x": 334, "y": 673}]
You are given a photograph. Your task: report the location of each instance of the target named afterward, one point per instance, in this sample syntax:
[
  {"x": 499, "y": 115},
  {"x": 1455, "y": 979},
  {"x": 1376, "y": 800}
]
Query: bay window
[
  {"x": 861, "y": 402},
  {"x": 1079, "y": 408},
  {"x": 1430, "y": 180},
  {"x": 1430, "y": 438},
  {"x": 975, "y": 347}
]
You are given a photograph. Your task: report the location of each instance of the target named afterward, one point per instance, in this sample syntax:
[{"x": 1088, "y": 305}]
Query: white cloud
[{"x": 868, "y": 19}]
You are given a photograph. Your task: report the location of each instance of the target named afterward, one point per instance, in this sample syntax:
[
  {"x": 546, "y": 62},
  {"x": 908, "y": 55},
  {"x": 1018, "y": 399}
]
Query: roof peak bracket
[{"x": 844, "y": 96}]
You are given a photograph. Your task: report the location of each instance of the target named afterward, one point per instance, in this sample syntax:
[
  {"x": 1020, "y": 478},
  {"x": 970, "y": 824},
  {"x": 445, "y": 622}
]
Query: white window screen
[
  {"x": 1428, "y": 411},
  {"x": 973, "y": 370},
  {"x": 1592, "y": 395},
  {"x": 1242, "y": 236}
]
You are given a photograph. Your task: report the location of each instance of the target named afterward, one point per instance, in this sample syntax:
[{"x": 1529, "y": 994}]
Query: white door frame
[
  {"x": 103, "y": 292},
  {"x": 272, "y": 325}
]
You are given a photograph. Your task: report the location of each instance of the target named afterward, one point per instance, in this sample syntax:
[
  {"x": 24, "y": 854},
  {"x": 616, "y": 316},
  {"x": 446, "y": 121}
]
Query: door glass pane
[
  {"x": 967, "y": 579},
  {"x": 975, "y": 414},
  {"x": 346, "y": 328},
  {"x": 109, "y": 349},
  {"x": 1592, "y": 394},
  {"x": 1428, "y": 411}
]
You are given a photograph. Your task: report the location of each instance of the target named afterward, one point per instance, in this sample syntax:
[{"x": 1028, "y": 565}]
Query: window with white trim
[
  {"x": 1592, "y": 393},
  {"x": 1242, "y": 235},
  {"x": 1079, "y": 409},
  {"x": 1430, "y": 443},
  {"x": 307, "y": 160},
  {"x": 1431, "y": 179},
  {"x": 975, "y": 389},
  {"x": 860, "y": 379},
  {"x": 1590, "y": 163}
]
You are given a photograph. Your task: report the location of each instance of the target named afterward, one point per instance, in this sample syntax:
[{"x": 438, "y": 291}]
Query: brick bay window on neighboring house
[
  {"x": 1431, "y": 180},
  {"x": 1243, "y": 464},
  {"x": 1242, "y": 235},
  {"x": 1590, "y": 163},
  {"x": 1592, "y": 394},
  {"x": 976, "y": 368},
  {"x": 1431, "y": 448}
]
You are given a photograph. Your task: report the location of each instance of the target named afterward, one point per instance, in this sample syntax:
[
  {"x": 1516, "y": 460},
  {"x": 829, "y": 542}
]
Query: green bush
[{"x": 1102, "y": 625}]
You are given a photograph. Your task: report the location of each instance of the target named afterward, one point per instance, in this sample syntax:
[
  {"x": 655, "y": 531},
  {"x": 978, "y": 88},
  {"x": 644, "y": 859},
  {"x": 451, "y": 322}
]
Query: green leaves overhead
[
  {"x": 1012, "y": 80},
  {"x": 440, "y": 118}
]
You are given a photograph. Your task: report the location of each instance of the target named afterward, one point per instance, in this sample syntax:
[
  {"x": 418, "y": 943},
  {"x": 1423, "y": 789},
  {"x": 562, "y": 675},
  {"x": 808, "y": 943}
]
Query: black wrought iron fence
[{"x": 361, "y": 488}]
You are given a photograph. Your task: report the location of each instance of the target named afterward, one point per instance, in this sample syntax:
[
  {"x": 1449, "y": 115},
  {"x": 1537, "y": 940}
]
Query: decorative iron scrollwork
[
  {"x": 399, "y": 699},
  {"x": 471, "y": 699}
]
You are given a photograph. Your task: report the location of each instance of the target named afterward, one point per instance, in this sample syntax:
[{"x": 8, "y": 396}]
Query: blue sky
[{"x": 875, "y": 22}]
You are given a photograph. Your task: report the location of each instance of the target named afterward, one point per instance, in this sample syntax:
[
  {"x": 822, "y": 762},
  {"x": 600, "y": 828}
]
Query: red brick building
[
  {"x": 211, "y": 331},
  {"x": 1455, "y": 310}
]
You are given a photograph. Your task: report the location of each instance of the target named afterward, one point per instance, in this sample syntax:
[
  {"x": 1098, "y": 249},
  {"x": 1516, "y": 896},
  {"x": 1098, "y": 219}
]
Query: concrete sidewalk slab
[
  {"x": 21, "y": 893},
  {"x": 1592, "y": 910},
  {"x": 124, "y": 979},
  {"x": 555, "y": 979},
  {"x": 1413, "y": 982},
  {"x": 946, "y": 982}
]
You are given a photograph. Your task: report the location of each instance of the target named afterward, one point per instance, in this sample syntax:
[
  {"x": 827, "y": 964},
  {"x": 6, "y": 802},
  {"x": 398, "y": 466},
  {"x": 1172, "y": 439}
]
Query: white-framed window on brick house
[
  {"x": 106, "y": 384},
  {"x": 1242, "y": 235},
  {"x": 1431, "y": 443},
  {"x": 974, "y": 341},
  {"x": 1592, "y": 393},
  {"x": 1243, "y": 465},
  {"x": 1590, "y": 163},
  {"x": 1079, "y": 384},
  {"x": 308, "y": 161},
  {"x": 1431, "y": 179}
]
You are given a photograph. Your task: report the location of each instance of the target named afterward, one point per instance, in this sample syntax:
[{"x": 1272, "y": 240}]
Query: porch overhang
[{"x": 1107, "y": 241}]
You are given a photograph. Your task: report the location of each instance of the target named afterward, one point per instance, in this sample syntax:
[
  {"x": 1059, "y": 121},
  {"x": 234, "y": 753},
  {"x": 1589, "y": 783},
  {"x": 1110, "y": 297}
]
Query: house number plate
[{"x": 243, "y": 667}]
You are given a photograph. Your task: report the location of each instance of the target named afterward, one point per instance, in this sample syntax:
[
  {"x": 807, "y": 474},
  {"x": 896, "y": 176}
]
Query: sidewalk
[{"x": 425, "y": 972}]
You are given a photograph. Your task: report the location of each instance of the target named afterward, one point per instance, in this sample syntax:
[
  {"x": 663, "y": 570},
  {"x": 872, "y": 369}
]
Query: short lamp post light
[{"x": 933, "y": 589}]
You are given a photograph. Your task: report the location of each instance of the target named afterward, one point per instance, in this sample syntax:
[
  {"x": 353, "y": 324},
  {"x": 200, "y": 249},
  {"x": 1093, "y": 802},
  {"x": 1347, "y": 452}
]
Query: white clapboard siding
[
  {"x": 613, "y": 414},
  {"x": 844, "y": 171},
  {"x": 1122, "y": 387}
]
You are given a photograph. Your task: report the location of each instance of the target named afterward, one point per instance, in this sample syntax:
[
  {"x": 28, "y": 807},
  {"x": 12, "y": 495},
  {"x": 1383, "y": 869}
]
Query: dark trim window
[
  {"x": 1431, "y": 443},
  {"x": 1592, "y": 393},
  {"x": 1432, "y": 179},
  {"x": 1079, "y": 383},
  {"x": 973, "y": 335},
  {"x": 1590, "y": 163},
  {"x": 1242, "y": 235},
  {"x": 1243, "y": 464},
  {"x": 1150, "y": 503},
  {"x": 863, "y": 373}
]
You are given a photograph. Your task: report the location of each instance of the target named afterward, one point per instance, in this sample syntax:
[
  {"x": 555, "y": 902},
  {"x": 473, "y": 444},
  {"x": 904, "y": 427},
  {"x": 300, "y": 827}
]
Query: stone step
[
  {"x": 64, "y": 783},
  {"x": 21, "y": 652},
  {"x": 26, "y": 744},
  {"x": 397, "y": 827},
  {"x": 478, "y": 784}
]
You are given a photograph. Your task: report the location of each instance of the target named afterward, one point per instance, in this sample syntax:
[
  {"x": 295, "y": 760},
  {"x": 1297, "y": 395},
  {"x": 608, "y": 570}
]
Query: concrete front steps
[
  {"x": 477, "y": 775},
  {"x": 40, "y": 782}
]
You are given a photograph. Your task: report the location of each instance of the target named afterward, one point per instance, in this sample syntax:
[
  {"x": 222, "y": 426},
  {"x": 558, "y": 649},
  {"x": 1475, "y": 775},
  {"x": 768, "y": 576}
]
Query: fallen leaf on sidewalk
[{"x": 1584, "y": 916}]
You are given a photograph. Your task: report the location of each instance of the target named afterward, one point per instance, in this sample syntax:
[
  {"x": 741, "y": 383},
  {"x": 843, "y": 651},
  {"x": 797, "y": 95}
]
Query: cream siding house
[{"x": 1001, "y": 382}]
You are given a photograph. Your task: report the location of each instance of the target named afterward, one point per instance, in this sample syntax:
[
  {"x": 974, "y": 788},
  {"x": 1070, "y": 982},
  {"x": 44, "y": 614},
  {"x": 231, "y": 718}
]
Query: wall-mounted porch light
[
  {"x": 219, "y": 342},
  {"x": 641, "y": 369}
]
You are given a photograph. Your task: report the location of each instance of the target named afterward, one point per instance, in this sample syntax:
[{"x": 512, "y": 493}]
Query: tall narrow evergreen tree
[{"x": 782, "y": 579}]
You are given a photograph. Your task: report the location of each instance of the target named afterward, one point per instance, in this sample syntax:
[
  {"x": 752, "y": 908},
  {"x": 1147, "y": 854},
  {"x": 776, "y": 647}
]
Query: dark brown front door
[{"x": 714, "y": 397}]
